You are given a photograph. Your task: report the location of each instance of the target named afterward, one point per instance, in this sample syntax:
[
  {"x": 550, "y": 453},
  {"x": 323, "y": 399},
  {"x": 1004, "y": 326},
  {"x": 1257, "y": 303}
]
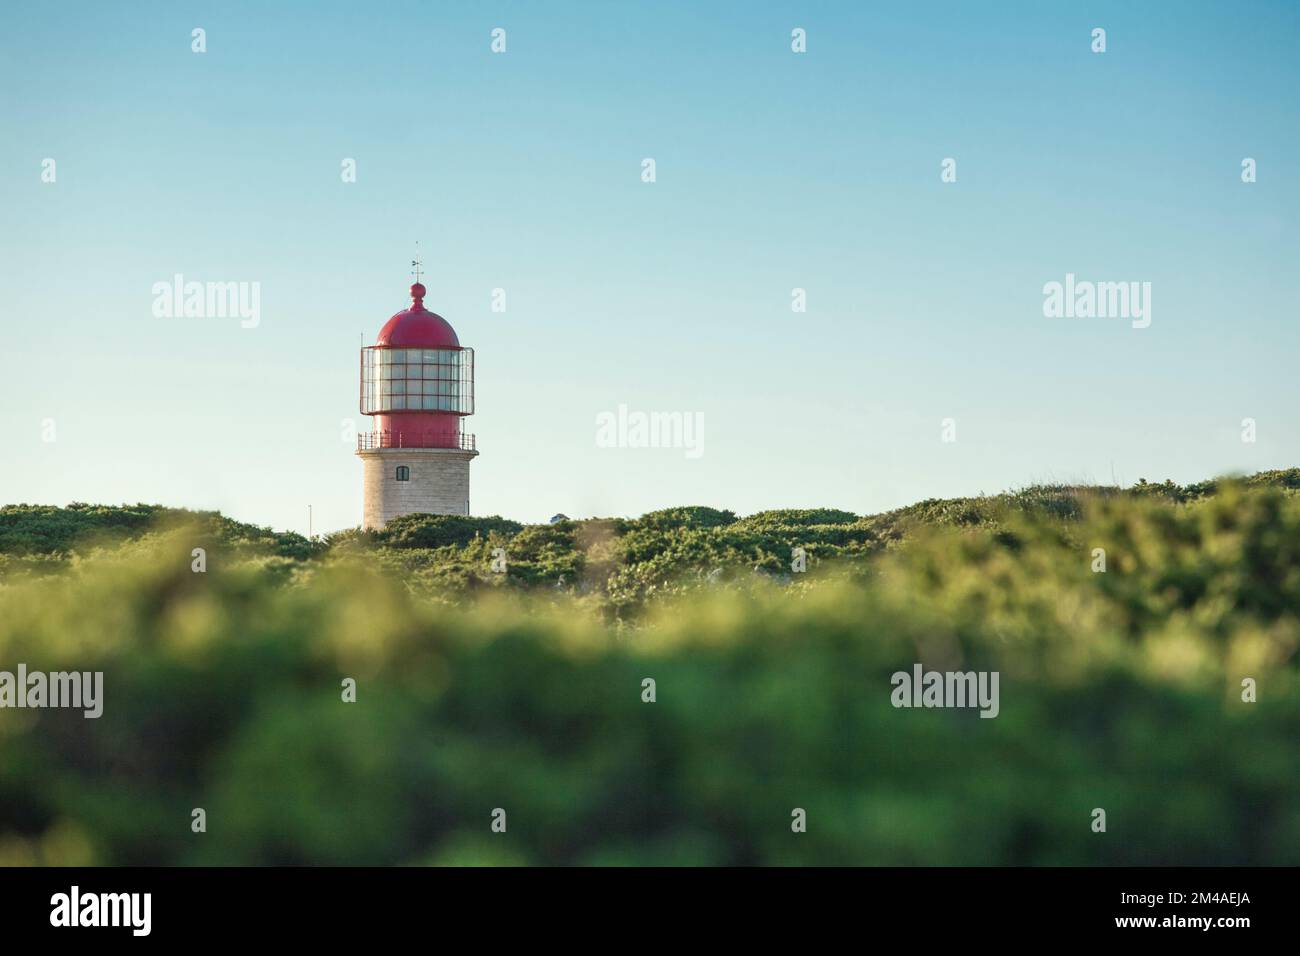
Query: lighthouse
[{"x": 418, "y": 383}]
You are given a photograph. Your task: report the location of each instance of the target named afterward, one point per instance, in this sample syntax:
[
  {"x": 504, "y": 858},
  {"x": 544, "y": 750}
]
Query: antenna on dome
[{"x": 417, "y": 268}]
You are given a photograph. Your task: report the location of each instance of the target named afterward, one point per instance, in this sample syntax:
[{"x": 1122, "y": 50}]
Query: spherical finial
[{"x": 417, "y": 293}]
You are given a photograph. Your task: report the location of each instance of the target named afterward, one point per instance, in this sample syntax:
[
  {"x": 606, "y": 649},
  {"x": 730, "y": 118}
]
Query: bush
[
  {"x": 45, "y": 529},
  {"x": 438, "y": 531},
  {"x": 1119, "y": 690},
  {"x": 798, "y": 518},
  {"x": 697, "y": 516}
]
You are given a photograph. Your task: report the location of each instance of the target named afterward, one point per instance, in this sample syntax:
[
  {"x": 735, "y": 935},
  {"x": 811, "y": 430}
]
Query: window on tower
[{"x": 403, "y": 473}]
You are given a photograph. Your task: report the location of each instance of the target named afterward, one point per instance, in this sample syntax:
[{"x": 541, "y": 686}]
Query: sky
[{"x": 523, "y": 170}]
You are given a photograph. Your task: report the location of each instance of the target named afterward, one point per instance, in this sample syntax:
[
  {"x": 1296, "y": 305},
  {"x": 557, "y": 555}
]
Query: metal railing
[{"x": 368, "y": 441}]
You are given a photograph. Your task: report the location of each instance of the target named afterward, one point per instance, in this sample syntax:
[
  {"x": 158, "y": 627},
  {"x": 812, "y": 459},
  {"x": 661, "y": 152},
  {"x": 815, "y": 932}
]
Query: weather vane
[{"x": 416, "y": 268}]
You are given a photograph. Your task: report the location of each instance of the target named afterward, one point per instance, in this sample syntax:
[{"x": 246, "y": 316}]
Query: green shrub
[
  {"x": 436, "y": 531},
  {"x": 798, "y": 518},
  {"x": 697, "y": 516},
  {"x": 1119, "y": 690}
]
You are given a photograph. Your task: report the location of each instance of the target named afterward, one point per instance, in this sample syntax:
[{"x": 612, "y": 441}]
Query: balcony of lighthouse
[{"x": 369, "y": 441}]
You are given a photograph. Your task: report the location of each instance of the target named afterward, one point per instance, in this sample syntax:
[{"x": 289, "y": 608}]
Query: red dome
[{"x": 417, "y": 327}]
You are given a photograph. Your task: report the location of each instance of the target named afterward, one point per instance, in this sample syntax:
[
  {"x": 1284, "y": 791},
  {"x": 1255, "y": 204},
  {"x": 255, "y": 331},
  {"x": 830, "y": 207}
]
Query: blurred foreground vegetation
[{"x": 523, "y": 690}]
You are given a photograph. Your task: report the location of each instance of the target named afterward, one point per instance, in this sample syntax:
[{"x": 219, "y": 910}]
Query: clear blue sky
[{"x": 775, "y": 171}]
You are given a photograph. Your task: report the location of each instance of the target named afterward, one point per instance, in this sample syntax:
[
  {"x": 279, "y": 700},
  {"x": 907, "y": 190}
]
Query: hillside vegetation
[
  {"x": 524, "y": 690},
  {"x": 616, "y": 565}
]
